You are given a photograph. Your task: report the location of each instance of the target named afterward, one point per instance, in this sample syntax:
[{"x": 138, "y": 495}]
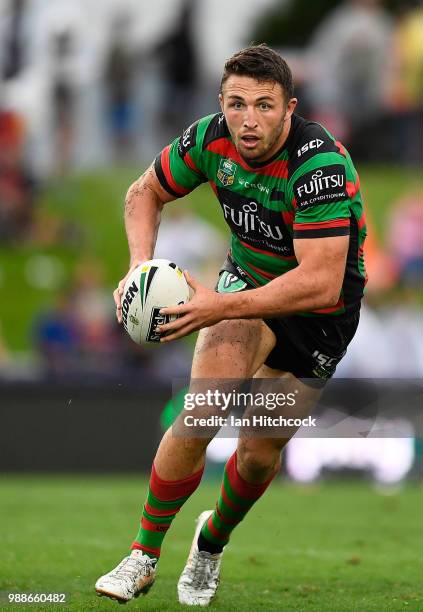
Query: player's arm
[
  {"x": 315, "y": 283},
  {"x": 321, "y": 240},
  {"x": 175, "y": 173},
  {"x": 143, "y": 205}
]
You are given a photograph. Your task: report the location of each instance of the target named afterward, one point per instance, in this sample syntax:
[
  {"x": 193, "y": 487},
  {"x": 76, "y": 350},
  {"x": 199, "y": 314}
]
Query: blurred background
[{"x": 90, "y": 90}]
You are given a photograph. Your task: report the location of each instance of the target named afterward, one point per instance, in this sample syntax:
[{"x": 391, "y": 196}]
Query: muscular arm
[
  {"x": 315, "y": 283},
  {"x": 143, "y": 205}
]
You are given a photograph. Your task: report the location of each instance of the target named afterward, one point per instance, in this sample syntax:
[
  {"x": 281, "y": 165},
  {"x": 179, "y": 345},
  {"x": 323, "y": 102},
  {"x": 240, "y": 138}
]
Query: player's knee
[
  {"x": 258, "y": 460},
  {"x": 196, "y": 445}
]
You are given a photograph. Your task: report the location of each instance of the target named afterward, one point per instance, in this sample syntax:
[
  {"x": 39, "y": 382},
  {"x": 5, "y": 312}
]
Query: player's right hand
[{"x": 118, "y": 292}]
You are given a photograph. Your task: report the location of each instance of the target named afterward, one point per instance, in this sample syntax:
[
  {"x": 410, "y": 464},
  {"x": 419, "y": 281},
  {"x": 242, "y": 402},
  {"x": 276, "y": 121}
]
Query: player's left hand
[{"x": 205, "y": 308}]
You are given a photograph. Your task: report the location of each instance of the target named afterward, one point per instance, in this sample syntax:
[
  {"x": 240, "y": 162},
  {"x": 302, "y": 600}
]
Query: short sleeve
[
  {"x": 178, "y": 166},
  {"x": 321, "y": 197}
]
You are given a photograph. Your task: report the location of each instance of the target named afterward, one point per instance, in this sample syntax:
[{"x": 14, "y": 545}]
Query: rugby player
[{"x": 287, "y": 302}]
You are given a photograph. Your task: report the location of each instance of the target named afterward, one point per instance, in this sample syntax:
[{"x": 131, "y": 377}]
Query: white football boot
[
  {"x": 134, "y": 576},
  {"x": 201, "y": 575}
]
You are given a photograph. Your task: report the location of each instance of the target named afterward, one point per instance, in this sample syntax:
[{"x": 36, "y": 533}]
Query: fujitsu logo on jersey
[
  {"x": 248, "y": 220},
  {"x": 327, "y": 184},
  {"x": 319, "y": 182}
]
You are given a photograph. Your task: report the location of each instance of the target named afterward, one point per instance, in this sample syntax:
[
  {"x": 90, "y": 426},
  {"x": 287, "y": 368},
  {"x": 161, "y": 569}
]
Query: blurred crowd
[
  {"x": 73, "y": 97},
  {"x": 363, "y": 78}
]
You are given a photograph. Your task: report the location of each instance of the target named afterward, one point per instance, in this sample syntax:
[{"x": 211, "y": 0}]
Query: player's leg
[
  {"x": 229, "y": 350},
  {"x": 247, "y": 475},
  {"x": 251, "y": 469},
  {"x": 301, "y": 348},
  {"x": 311, "y": 348},
  {"x": 222, "y": 352}
]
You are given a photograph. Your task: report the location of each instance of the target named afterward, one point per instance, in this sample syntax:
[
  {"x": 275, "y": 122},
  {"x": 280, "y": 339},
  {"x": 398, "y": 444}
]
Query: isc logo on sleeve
[{"x": 312, "y": 144}]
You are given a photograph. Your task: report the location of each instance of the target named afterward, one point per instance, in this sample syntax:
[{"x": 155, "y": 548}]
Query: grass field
[{"x": 330, "y": 547}]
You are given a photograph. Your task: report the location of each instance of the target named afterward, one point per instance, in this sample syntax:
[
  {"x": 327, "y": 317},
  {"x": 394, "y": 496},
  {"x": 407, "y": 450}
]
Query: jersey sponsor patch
[
  {"x": 188, "y": 140},
  {"x": 254, "y": 224},
  {"x": 321, "y": 186}
]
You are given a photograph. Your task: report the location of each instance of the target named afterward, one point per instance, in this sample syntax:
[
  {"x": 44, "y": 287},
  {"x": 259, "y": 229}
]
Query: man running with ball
[{"x": 287, "y": 302}]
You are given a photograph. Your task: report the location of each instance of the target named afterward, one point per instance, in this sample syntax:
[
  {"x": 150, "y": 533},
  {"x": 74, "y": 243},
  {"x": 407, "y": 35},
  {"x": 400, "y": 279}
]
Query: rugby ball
[{"x": 153, "y": 285}]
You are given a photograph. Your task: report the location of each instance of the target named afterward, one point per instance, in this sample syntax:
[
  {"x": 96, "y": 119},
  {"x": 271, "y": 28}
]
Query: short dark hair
[{"x": 260, "y": 62}]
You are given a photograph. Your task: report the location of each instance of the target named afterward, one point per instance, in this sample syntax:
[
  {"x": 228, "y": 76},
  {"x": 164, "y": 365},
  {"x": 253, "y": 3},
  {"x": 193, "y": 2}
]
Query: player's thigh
[
  {"x": 225, "y": 355},
  {"x": 270, "y": 381},
  {"x": 234, "y": 348}
]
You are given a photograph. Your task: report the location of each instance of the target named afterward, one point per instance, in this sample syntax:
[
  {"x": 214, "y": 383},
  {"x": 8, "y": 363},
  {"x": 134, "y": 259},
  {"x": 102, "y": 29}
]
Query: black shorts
[{"x": 309, "y": 347}]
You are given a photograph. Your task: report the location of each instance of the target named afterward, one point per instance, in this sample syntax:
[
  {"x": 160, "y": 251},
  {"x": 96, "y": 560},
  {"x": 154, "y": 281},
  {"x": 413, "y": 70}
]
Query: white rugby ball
[{"x": 153, "y": 285}]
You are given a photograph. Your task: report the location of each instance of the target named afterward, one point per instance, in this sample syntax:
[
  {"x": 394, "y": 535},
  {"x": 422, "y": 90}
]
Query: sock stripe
[
  {"x": 160, "y": 513},
  {"x": 152, "y": 526},
  {"x": 226, "y": 508},
  {"x": 165, "y": 505},
  {"x": 175, "y": 489},
  {"x": 164, "y": 500},
  {"x": 238, "y": 500},
  {"x": 152, "y": 539},
  {"x": 215, "y": 533},
  {"x": 208, "y": 536},
  {"x": 147, "y": 549},
  {"x": 224, "y": 518},
  {"x": 237, "y": 496},
  {"x": 220, "y": 526},
  {"x": 245, "y": 490},
  {"x": 228, "y": 501},
  {"x": 154, "y": 517}
]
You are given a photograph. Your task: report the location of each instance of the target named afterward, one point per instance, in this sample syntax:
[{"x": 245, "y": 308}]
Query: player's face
[{"x": 257, "y": 115}]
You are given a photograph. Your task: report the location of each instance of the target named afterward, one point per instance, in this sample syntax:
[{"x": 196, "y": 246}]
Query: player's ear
[
  {"x": 221, "y": 102},
  {"x": 290, "y": 107}
]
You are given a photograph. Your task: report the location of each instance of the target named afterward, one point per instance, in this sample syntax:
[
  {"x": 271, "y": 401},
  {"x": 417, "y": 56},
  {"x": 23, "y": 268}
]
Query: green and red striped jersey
[{"x": 309, "y": 189}]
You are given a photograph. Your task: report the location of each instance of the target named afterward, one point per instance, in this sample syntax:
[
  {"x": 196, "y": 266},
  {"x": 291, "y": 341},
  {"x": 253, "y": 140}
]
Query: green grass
[
  {"x": 94, "y": 202},
  {"x": 329, "y": 547}
]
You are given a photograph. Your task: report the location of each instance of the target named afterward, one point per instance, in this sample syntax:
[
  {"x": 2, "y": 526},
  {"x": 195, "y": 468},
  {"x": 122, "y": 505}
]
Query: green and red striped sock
[
  {"x": 164, "y": 500},
  {"x": 236, "y": 498}
]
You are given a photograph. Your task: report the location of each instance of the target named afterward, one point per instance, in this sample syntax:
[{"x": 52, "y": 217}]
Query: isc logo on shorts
[{"x": 326, "y": 365}]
